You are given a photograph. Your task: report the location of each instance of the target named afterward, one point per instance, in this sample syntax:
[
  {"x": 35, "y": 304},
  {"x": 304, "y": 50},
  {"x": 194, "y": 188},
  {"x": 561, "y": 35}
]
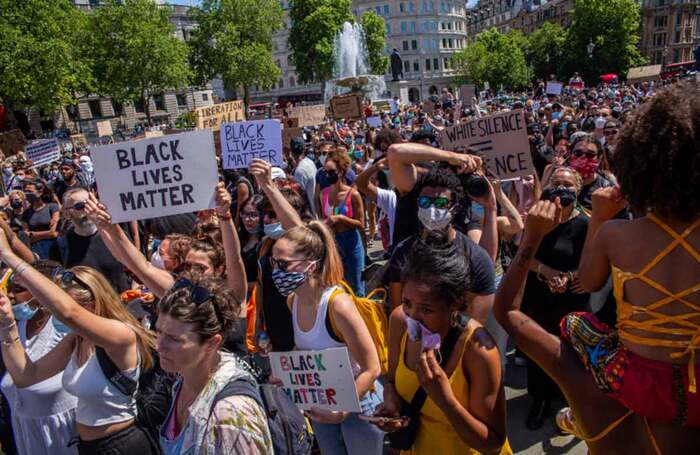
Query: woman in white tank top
[
  {"x": 84, "y": 300},
  {"x": 307, "y": 268}
]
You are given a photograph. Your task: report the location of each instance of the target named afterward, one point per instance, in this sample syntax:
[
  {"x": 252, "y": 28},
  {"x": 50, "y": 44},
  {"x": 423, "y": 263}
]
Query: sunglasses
[
  {"x": 439, "y": 202},
  {"x": 79, "y": 206},
  {"x": 586, "y": 153},
  {"x": 282, "y": 264},
  {"x": 198, "y": 294},
  {"x": 67, "y": 277},
  {"x": 250, "y": 215}
]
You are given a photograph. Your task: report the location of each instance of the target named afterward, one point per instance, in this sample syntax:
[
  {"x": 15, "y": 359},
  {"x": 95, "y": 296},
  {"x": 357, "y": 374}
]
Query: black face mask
[
  {"x": 331, "y": 177},
  {"x": 566, "y": 195},
  {"x": 16, "y": 204},
  {"x": 32, "y": 197}
]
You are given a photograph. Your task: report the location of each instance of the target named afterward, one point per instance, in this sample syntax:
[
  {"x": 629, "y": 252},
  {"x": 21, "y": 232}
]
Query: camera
[{"x": 475, "y": 185}]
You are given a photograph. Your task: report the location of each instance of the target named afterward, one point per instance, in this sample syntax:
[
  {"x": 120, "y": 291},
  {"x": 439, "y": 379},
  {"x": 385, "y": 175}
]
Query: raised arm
[
  {"x": 262, "y": 172},
  {"x": 157, "y": 280},
  {"x": 511, "y": 222},
  {"x": 235, "y": 270},
  {"x": 17, "y": 245},
  {"x": 364, "y": 181}
]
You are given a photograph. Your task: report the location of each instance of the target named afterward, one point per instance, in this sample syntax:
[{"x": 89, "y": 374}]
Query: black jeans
[{"x": 131, "y": 441}]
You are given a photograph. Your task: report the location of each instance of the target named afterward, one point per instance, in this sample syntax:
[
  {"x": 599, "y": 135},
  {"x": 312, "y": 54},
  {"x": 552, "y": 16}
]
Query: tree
[
  {"x": 545, "y": 50},
  {"x": 612, "y": 26},
  {"x": 315, "y": 23},
  {"x": 135, "y": 51},
  {"x": 234, "y": 41},
  {"x": 41, "y": 64},
  {"x": 375, "y": 41},
  {"x": 493, "y": 58}
]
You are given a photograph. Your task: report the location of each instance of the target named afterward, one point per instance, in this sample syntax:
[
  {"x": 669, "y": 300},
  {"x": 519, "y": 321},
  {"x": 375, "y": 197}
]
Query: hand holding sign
[
  {"x": 223, "y": 200},
  {"x": 97, "y": 213},
  {"x": 262, "y": 171}
]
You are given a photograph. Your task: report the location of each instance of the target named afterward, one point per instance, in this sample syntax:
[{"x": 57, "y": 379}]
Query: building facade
[
  {"x": 670, "y": 30},
  {"x": 523, "y": 15},
  {"x": 425, "y": 32}
]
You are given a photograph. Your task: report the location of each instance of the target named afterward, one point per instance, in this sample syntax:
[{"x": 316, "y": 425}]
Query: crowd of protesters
[{"x": 153, "y": 336}]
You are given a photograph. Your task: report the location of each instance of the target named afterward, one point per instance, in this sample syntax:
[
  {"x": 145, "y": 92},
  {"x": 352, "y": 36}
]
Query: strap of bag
[{"x": 123, "y": 383}]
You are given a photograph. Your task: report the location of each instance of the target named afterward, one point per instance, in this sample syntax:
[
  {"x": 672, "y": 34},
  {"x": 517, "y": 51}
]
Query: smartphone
[{"x": 380, "y": 419}]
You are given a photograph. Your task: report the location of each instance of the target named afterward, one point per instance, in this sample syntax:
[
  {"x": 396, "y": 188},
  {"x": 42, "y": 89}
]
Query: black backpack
[{"x": 290, "y": 435}]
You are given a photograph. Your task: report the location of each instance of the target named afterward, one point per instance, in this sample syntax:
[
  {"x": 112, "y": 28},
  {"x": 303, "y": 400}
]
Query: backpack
[
  {"x": 288, "y": 429},
  {"x": 371, "y": 308}
]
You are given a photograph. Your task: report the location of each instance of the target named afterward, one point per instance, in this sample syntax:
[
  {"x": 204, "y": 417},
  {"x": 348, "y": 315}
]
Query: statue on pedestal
[{"x": 396, "y": 66}]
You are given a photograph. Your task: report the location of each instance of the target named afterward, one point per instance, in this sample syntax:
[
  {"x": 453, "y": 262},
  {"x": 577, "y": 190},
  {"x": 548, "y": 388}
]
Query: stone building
[{"x": 670, "y": 30}]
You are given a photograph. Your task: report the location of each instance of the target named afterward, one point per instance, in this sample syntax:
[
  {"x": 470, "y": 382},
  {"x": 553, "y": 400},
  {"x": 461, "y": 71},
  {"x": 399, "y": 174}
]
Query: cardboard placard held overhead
[
  {"x": 213, "y": 116},
  {"x": 290, "y": 133},
  {"x": 78, "y": 140},
  {"x": 242, "y": 142},
  {"x": 309, "y": 115},
  {"x": 291, "y": 122},
  {"x": 467, "y": 92},
  {"x": 501, "y": 140},
  {"x": 346, "y": 106},
  {"x": 104, "y": 128},
  {"x": 11, "y": 142},
  {"x": 156, "y": 177},
  {"x": 321, "y": 379},
  {"x": 42, "y": 152},
  {"x": 554, "y": 88}
]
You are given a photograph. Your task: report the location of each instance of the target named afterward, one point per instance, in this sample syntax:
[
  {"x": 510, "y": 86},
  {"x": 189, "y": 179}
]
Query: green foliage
[
  {"x": 135, "y": 51},
  {"x": 234, "y": 41},
  {"x": 612, "y": 25},
  {"x": 315, "y": 24},
  {"x": 545, "y": 50},
  {"x": 493, "y": 58},
  {"x": 42, "y": 61},
  {"x": 375, "y": 39}
]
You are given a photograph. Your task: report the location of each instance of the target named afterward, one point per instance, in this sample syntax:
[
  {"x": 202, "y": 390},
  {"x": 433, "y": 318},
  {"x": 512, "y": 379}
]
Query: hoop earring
[{"x": 459, "y": 320}]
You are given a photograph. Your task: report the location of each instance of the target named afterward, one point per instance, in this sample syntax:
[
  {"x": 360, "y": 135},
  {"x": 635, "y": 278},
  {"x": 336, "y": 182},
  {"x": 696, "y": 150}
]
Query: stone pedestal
[{"x": 400, "y": 89}]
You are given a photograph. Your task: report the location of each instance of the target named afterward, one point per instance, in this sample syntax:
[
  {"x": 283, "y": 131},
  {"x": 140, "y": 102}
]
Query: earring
[{"x": 459, "y": 320}]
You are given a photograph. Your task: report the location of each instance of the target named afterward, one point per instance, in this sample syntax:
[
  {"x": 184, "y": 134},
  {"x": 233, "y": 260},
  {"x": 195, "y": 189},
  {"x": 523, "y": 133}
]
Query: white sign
[
  {"x": 155, "y": 177},
  {"x": 43, "y": 152},
  {"x": 241, "y": 142},
  {"x": 374, "y": 122},
  {"x": 501, "y": 141},
  {"x": 554, "y": 88},
  {"x": 320, "y": 379}
]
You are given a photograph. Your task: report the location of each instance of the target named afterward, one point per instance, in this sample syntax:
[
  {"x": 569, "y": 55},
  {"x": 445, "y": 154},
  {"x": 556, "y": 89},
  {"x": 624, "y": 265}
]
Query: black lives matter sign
[
  {"x": 500, "y": 139},
  {"x": 161, "y": 176},
  {"x": 242, "y": 142}
]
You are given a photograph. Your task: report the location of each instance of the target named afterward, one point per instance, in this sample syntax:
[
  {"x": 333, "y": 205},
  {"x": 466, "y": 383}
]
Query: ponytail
[{"x": 315, "y": 242}]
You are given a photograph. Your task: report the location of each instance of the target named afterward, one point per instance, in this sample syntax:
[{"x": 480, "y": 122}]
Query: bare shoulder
[{"x": 481, "y": 348}]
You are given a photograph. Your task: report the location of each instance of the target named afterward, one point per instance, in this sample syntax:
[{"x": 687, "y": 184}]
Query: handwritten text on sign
[
  {"x": 500, "y": 139},
  {"x": 156, "y": 177},
  {"x": 213, "y": 116},
  {"x": 244, "y": 141},
  {"x": 321, "y": 379},
  {"x": 42, "y": 152}
]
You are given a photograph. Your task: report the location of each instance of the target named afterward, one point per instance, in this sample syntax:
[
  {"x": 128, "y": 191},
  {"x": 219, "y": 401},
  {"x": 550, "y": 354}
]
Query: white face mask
[
  {"x": 157, "y": 261},
  {"x": 435, "y": 219}
]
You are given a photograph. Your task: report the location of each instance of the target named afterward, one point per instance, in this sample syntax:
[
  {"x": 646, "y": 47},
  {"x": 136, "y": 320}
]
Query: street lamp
[{"x": 589, "y": 48}]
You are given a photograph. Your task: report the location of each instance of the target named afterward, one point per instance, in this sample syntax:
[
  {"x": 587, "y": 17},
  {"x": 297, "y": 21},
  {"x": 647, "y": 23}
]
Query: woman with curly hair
[{"x": 633, "y": 389}]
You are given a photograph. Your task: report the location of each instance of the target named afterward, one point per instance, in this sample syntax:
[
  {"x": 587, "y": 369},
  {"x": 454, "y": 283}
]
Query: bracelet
[
  {"x": 10, "y": 342},
  {"x": 21, "y": 268}
]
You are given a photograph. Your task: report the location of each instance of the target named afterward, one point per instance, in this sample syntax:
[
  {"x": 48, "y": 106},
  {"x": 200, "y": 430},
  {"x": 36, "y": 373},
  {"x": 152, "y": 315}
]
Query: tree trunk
[
  {"x": 246, "y": 98},
  {"x": 147, "y": 107}
]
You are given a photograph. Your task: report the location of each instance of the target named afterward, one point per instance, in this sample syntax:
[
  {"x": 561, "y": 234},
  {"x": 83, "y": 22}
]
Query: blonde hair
[
  {"x": 108, "y": 305},
  {"x": 315, "y": 242},
  {"x": 18, "y": 193},
  {"x": 574, "y": 172},
  {"x": 340, "y": 158}
]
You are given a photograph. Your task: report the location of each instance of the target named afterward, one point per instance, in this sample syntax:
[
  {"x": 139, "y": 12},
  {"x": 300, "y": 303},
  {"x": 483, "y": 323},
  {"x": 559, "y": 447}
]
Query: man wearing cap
[
  {"x": 71, "y": 178},
  {"x": 305, "y": 170}
]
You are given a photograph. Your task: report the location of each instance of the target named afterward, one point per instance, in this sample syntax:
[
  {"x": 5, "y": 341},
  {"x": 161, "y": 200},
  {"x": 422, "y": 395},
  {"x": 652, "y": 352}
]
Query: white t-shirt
[
  {"x": 386, "y": 201},
  {"x": 305, "y": 176}
]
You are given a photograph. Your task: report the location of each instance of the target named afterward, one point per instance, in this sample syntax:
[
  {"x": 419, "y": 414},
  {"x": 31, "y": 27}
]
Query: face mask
[
  {"x": 322, "y": 159},
  {"x": 32, "y": 197},
  {"x": 59, "y": 326},
  {"x": 19, "y": 177},
  {"x": 566, "y": 195},
  {"x": 586, "y": 167},
  {"x": 274, "y": 230},
  {"x": 556, "y": 115},
  {"x": 16, "y": 204},
  {"x": 287, "y": 282},
  {"x": 357, "y": 154},
  {"x": 86, "y": 166},
  {"x": 435, "y": 219},
  {"x": 157, "y": 260},
  {"x": 7, "y": 171},
  {"x": 331, "y": 177},
  {"x": 417, "y": 331},
  {"x": 600, "y": 123},
  {"x": 23, "y": 312}
]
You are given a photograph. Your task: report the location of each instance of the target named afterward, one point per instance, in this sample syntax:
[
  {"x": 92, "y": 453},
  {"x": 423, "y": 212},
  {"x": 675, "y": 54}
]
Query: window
[
  {"x": 138, "y": 106},
  {"x": 95, "y": 110},
  {"x": 386, "y": 10},
  {"x": 205, "y": 97},
  {"x": 281, "y": 84},
  {"x": 447, "y": 63},
  {"x": 406, "y": 66},
  {"x": 159, "y": 101},
  {"x": 660, "y": 21},
  {"x": 416, "y": 66},
  {"x": 118, "y": 108},
  {"x": 434, "y": 44},
  {"x": 426, "y": 44},
  {"x": 405, "y": 45},
  {"x": 413, "y": 27},
  {"x": 679, "y": 19},
  {"x": 427, "y": 64},
  {"x": 378, "y": 10},
  {"x": 411, "y": 7},
  {"x": 388, "y": 29},
  {"x": 676, "y": 55},
  {"x": 425, "y": 6},
  {"x": 291, "y": 81},
  {"x": 402, "y": 7},
  {"x": 404, "y": 27},
  {"x": 425, "y": 26},
  {"x": 677, "y": 37},
  {"x": 414, "y": 45},
  {"x": 660, "y": 39},
  {"x": 181, "y": 100},
  {"x": 436, "y": 66}
]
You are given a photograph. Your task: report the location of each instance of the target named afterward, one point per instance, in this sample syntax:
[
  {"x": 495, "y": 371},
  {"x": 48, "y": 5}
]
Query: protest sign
[
  {"x": 381, "y": 105},
  {"x": 309, "y": 115},
  {"x": 42, "y": 152},
  {"x": 291, "y": 122},
  {"x": 374, "y": 122},
  {"x": 321, "y": 379},
  {"x": 554, "y": 88},
  {"x": 290, "y": 133},
  {"x": 241, "y": 142},
  {"x": 12, "y": 142},
  {"x": 213, "y": 116},
  {"x": 500, "y": 139},
  {"x": 467, "y": 92},
  {"x": 156, "y": 177},
  {"x": 346, "y": 106},
  {"x": 78, "y": 140},
  {"x": 104, "y": 128},
  {"x": 154, "y": 133}
]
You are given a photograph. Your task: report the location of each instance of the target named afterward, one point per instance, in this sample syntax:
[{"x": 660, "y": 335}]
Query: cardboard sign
[
  {"x": 78, "y": 140},
  {"x": 321, "y": 379},
  {"x": 11, "y": 142},
  {"x": 157, "y": 177},
  {"x": 346, "y": 106},
  {"x": 43, "y": 152},
  {"x": 374, "y": 122},
  {"x": 213, "y": 116},
  {"x": 290, "y": 133},
  {"x": 381, "y": 106},
  {"x": 291, "y": 122},
  {"x": 243, "y": 141},
  {"x": 309, "y": 115},
  {"x": 154, "y": 133},
  {"x": 467, "y": 92},
  {"x": 501, "y": 140},
  {"x": 104, "y": 128},
  {"x": 554, "y": 88}
]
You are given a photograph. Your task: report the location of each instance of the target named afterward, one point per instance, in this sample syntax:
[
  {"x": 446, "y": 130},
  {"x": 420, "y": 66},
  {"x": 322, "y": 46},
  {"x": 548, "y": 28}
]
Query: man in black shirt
[
  {"x": 82, "y": 245},
  {"x": 71, "y": 179}
]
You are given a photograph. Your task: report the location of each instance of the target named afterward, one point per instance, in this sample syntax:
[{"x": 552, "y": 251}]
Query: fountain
[{"x": 350, "y": 68}]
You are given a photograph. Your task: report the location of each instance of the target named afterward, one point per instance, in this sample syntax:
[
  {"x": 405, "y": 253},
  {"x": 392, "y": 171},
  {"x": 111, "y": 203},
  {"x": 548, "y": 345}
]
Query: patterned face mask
[{"x": 288, "y": 282}]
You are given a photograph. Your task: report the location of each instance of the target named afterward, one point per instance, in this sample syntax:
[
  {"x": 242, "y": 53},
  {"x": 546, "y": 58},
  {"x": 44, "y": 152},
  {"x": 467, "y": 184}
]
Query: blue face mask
[
  {"x": 59, "y": 326},
  {"x": 357, "y": 154},
  {"x": 274, "y": 230},
  {"x": 556, "y": 115},
  {"x": 23, "y": 312}
]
